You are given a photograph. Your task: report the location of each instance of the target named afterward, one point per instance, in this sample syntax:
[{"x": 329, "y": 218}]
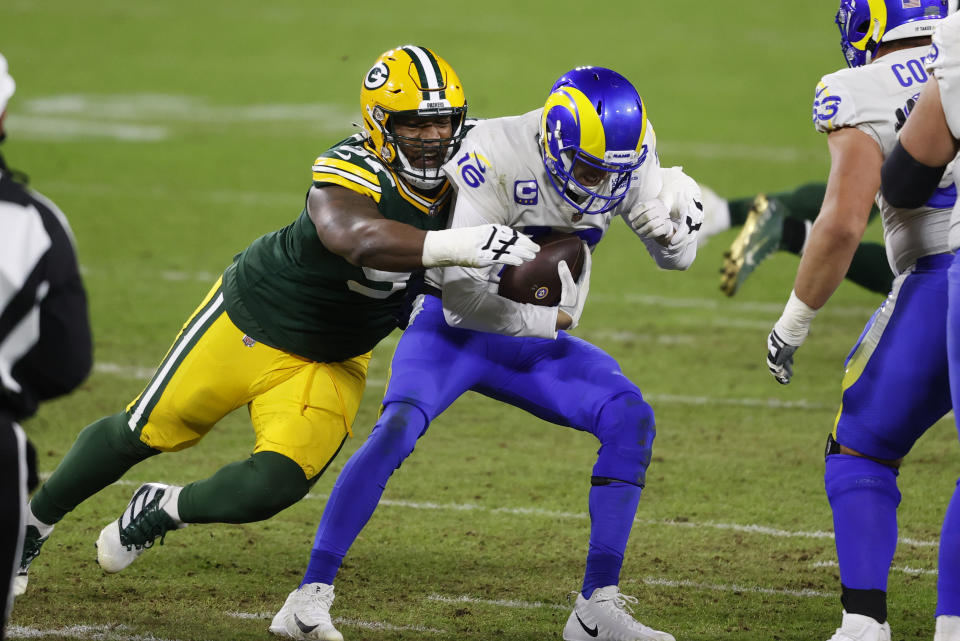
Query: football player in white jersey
[
  {"x": 895, "y": 384},
  {"x": 588, "y": 156},
  {"x": 928, "y": 143}
]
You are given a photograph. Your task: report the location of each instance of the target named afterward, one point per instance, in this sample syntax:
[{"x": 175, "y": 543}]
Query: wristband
[{"x": 794, "y": 323}]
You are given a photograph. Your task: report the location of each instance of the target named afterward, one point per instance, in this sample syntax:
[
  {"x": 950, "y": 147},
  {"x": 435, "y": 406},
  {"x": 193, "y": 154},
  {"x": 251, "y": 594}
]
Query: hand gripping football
[{"x": 537, "y": 281}]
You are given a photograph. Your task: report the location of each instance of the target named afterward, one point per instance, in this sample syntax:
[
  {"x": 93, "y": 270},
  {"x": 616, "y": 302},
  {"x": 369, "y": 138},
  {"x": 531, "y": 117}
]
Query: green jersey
[{"x": 290, "y": 292}]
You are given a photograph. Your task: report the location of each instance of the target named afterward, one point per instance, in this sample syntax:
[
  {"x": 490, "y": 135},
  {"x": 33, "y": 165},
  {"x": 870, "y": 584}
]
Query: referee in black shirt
[{"x": 45, "y": 344}]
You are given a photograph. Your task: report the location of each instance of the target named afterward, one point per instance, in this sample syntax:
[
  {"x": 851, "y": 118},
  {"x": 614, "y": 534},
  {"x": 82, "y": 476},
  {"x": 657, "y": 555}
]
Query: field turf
[{"x": 174, "y": 133}]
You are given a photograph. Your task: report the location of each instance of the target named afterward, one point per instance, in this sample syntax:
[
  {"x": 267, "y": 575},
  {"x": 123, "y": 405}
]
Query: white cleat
[
  {"x": 122, "y": 541},
  {"x": 858, "y": 627},
  {"x": 305, "y": 615},
  {"x": 948, "y": 628},
  {"x": 606, "y": 617}
]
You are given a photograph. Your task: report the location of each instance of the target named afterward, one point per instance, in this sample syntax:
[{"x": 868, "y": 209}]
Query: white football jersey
[
  {"x": 876, "y": 99},
  {"x": 500, "y": 177},
  {"x": 943, "y": 62}
]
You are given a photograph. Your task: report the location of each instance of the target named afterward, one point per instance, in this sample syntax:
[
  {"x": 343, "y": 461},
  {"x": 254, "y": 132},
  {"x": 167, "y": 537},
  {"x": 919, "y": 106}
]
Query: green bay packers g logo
[{"x": 377, "y": 76}]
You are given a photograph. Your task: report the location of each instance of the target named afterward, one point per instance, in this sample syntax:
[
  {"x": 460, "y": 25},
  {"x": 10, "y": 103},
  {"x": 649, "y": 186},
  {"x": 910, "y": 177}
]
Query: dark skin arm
[{"x": 350, "y": 225}]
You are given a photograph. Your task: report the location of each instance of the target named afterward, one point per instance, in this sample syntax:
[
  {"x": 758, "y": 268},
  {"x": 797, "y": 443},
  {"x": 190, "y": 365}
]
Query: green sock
[
  {"x": 245, "y": 491},
  {"x": 102, "y": 453},
  {"x": 804, "y": 202}
]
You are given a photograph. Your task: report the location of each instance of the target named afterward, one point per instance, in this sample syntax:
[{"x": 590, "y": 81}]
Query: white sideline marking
[
  {"x": 905, "y": 569},
  {"x": 734, "y": 588},
  {"x": 94, "y": 632},
  {"x": 368, "y": 625}
]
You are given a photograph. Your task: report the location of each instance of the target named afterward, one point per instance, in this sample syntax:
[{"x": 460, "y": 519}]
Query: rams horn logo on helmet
[{"x": 377, "y": 76}]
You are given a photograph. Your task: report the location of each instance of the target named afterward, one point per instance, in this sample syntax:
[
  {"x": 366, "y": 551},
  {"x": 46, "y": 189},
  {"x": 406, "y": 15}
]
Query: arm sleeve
[
  {"x": 905, "y": 182},
  {"x": 678, "y": 255},
  {"x": 681, "y": 251},
  {"x": 469, "y": 297}
]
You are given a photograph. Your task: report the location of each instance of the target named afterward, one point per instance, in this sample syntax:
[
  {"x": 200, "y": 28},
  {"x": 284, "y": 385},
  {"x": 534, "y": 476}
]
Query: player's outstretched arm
[
  {"x": 350, "y": 225},
  {"x": 855, "y": 161}
]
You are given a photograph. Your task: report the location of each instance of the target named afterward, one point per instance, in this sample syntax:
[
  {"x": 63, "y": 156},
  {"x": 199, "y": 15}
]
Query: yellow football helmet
[{"x": 413, "y": 81}]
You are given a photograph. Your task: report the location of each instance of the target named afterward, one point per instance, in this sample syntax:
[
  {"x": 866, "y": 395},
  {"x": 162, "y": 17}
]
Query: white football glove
[
  {"x": 651, "y": 219},
  {"x": 573, "y": 294},
  {"x": 479, "y": 246},
  {"x": 787, "y": 336},
  {"x": 681, "y": 196}
]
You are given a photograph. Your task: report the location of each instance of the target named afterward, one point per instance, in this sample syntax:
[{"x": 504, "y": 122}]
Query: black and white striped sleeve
[{"x": 45, "y": 342}]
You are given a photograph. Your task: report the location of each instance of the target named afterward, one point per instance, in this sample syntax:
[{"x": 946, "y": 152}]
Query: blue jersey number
[{"x": 472, "y": 169}]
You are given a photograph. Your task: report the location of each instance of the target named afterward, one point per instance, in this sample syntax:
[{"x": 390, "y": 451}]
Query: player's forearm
[
  {"x": 386, "y": 245},
  {"x": 675, "y": 255},
  {"x": 467, "y": 304},
  {"x": 826, "y": 260}
]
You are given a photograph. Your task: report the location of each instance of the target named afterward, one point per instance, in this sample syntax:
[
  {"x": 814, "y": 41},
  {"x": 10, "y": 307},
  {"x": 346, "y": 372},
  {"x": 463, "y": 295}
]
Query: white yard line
[
  {"x": 501, "y": 603},
  {"x": 136, "y": 372},
  {"x": 904, "y": 569},
  {"x": 91, "y": 632},
  {"x": 747, "y": 589},
  {"x": 743, "y": 528},
  {"x": 367, "y": 625}
]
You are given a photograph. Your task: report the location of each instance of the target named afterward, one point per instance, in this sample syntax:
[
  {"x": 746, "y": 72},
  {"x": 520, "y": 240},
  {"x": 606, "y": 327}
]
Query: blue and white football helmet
[
  {"x": 865, "y": 24},
  {"x": 595, "y": 117}
]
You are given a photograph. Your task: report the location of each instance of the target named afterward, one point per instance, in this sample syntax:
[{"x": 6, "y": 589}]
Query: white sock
[
  {"x": 948, "y": 628},
  {"x": 44, "y": 528},
  {"x": 172, "y": 504}
]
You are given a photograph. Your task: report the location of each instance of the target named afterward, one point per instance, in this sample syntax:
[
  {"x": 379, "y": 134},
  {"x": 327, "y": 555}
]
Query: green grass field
[{"x": 172, "y": 134}]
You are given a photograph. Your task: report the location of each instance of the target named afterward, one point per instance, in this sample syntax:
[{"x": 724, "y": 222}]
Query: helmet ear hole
[{"x": 863, "y": 27}]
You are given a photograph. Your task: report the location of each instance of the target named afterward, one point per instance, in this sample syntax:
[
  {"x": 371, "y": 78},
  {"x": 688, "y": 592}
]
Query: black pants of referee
[{"x": 17, "y": 477}]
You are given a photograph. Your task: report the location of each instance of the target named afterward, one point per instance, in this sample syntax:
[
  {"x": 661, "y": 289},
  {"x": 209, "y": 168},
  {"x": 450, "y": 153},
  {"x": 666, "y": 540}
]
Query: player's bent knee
[
  {"x": 626, "y": 430},
  {"x": 397, "y": 431},
  {"x": 275, "y": 482}
]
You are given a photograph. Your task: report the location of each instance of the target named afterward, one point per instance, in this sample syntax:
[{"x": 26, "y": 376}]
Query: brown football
[{"x": 537, "y": 281}]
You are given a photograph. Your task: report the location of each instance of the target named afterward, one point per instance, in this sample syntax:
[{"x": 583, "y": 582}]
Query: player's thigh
[
  {"x": 434, "y": 363},
  {"x": 953, "y": 334},
  {"x": 896, "y": 381},
  {"x": 307, "y": 415},
  {"x": 207, "y": 373},
  {"x": 565, "y": 381}
]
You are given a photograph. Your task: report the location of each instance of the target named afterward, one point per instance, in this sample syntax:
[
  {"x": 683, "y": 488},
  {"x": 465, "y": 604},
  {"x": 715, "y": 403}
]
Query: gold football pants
[{"x": 299, "y": 408}]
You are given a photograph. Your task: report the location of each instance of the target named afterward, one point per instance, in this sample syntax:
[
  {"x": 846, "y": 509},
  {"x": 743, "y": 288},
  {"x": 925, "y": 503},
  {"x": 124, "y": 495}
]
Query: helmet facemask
[
  {"x": 599, "y": 196},
  {"x": 441, "y": 149},
  {"x": 409, "y": 83}
]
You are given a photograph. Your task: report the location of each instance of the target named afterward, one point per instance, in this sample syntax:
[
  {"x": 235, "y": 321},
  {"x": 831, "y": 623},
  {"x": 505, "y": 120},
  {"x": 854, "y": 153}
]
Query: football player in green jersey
[
  {"x": 781, "y": 221},
  {"x": 288, "y": 329}
]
